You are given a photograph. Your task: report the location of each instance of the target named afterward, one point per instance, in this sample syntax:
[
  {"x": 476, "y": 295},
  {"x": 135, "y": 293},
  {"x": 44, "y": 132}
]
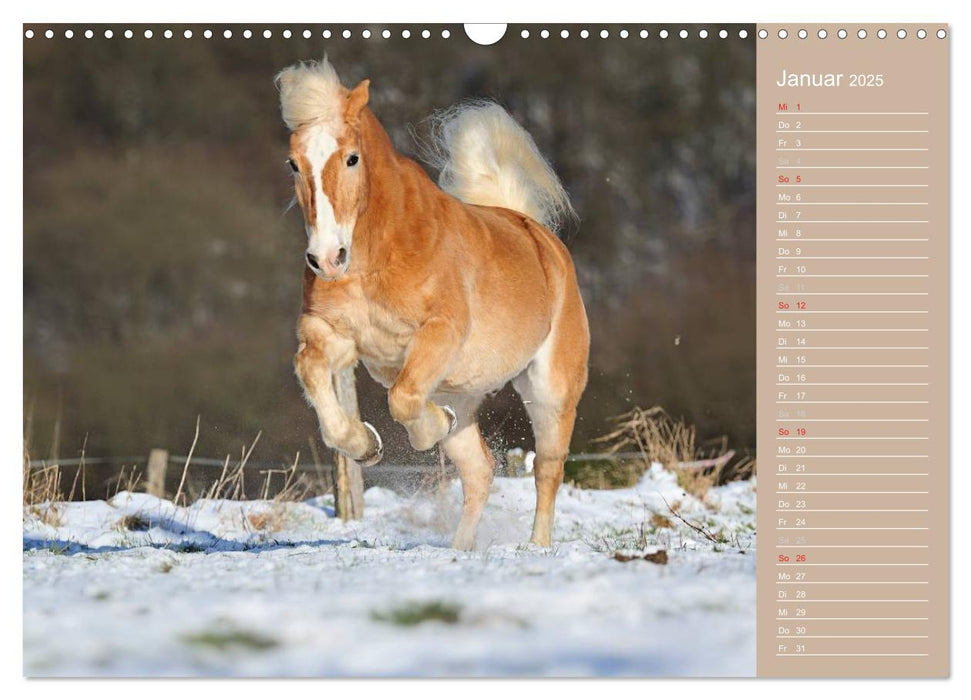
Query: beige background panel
[{"x": 852, "y": 354}]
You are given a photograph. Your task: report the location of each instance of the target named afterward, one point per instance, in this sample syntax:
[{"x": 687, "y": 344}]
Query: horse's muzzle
[{"x": 330, "y": 265}]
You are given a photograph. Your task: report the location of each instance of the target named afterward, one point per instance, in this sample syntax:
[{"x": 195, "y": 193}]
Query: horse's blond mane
[{"x": 310, "y": 93}]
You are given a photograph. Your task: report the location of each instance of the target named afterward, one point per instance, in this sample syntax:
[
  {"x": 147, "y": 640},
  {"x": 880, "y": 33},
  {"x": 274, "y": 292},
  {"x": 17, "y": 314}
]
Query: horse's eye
[
  {"x": 293, "y": 165},
  {"x": 352, "y": 160}
]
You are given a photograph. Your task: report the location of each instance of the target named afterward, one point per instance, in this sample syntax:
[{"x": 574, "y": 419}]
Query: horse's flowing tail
[{"x": 486, "y": 158}]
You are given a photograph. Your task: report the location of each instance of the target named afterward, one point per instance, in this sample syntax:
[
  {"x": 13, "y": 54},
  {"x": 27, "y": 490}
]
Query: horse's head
[{"x": 329, "y": 167}]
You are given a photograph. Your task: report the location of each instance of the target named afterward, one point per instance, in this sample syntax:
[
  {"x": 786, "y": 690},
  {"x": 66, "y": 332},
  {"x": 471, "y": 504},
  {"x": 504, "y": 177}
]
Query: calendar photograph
[{"x": 383, "y": 350}]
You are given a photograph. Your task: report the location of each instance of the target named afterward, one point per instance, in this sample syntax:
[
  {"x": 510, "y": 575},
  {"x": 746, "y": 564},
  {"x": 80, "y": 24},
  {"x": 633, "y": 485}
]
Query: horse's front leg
[
  {"x": 433, "y": 348},
  {"x": 322, "y": 356}
]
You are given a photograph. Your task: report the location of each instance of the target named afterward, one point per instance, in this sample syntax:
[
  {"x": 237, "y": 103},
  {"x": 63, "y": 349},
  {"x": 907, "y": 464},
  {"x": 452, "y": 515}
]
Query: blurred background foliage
[{"x": 162, "y": 271}]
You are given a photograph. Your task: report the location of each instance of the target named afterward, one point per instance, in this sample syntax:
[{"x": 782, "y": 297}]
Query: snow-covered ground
[{"x": 137, "y": 586}]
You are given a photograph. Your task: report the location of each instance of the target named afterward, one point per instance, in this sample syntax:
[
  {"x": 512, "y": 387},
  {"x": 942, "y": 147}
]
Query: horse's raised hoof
[
  {"x": 453, "y": 420},
  {"x": 373, "y": 457}
]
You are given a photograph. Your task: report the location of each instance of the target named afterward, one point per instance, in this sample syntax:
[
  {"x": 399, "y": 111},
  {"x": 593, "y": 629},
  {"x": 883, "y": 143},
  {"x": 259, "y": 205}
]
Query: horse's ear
[{"x": 356, "y": 102}]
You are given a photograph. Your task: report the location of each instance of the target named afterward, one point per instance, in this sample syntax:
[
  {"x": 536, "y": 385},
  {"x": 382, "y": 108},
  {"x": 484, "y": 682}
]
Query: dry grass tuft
[{"x": 674, "y": 445}]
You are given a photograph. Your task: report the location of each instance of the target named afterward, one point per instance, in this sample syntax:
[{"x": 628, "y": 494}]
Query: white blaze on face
[{"x": 325, "y": 237}]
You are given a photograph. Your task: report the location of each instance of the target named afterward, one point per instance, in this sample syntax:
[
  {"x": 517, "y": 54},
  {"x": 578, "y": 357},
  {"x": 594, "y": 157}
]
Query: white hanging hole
[
  {"x": 724, "y": 34},
  {"x": 861, "y": 34},
  {"x": 148, "y": 34},
  {"x": 941, "y": 34},
  {"x": 564, "y": 34},
  {"x": 901, "y": 33},
  {"x": 88, "y": 34},
  {"x": 366, "y": 34},
  {"x": 584, "y": 34},
  {"x": 187, "y": 33},
  {"x": 446, "y": 34},
  {"x": 307, "y": 33},
  {"x": 49, "y": 33},
  {"x": 783, "y": 34},
  {"x": 703, "y": 34},
  {"x": 763, "y": 34},
  {"x": 604, "y": 34},
  {"x": 405, "y": 34},
  {"x": 386, "y": 33},
  {"x": 663, "y": 33},
  {"x": 129, "y": 33},
  {"x": 485, "y": 34},
  {"x": 644, "y": 34},
  {"x": 683, "y": 34},
  {"x": 326, "y": 34},
  {"x": 822, "y": 34},
  {"x": 881, "y": 34},
  {"x": 921, "y": 34},
  {"x": 743, "y": 34},
  {"x": 524, "y": 34},
  {"x": 841, "y": 33},
  {"x": 624, "y": 33},
  {"x": 67, "y": 35},
  {"x": 167, "y": 34},
  {"x": 29, "y": 34},
  {"x": 109, "y": 33},
  {"x": 228, "y": 34},
  {"x": 545, "y": 34},
  {"x": 425, "y": 33},
  {"x": 286, "y": 34},
  {"x": 802, "y": 34}
]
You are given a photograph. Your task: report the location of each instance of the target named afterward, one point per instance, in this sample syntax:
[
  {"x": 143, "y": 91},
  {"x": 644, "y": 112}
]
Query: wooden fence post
[
  {"x": 348, "y": 479},
  {"x": 158, "y": 462}
]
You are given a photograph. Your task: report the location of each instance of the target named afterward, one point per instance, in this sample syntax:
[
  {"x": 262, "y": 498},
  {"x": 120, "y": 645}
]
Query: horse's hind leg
[
  {"x": 466, "y": 448},
  {"x": 551, "y": 387}
]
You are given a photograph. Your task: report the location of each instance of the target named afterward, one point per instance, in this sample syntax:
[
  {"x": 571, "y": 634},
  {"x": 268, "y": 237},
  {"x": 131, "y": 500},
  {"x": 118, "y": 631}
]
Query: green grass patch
[
  {"x": 413, "y": 614},
  {"x": 225, "y": 640}
]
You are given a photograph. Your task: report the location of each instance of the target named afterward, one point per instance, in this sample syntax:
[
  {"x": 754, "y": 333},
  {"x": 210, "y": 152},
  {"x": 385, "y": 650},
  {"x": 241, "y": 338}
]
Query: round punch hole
[
  {"x": 822, "y": 34},
  {"x": 921, "y": 34},
  {"x": 743, "y": 34},
  {"x": 68, "y": 34},
  {"x": 663, "y": 33},
  {"x": 446, "y": 34},
  {"x": 802, "y": 34},
  {"x": 624, "y": 33},
  {"x": 584, "y": 34},
  {"x": 644, "y": 34},
  {"x": 841, "y": 33},
  {"x": 187, "y": 33},
  {"x": 683, "y": 34},
  {"x": 783, "y": 34},
  {"x": 881, "y": 34},
  {"x": 941, "y": 34},
  {"x": 524, "y": 34},
  {"x": 565, "y": 34},
  {"x": 604, "y": 34},
  {"x": 861, "y": 34},
  {"x": 228, "y": 34},
  {"x": 386, "y": 33},
  {"x": 425, "y": 34},
  {"x": 366, "y": 33}
]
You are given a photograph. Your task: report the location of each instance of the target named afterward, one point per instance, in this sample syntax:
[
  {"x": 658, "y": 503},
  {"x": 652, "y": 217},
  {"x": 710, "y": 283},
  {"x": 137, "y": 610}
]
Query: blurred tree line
[{"x": 162, "y": 270}]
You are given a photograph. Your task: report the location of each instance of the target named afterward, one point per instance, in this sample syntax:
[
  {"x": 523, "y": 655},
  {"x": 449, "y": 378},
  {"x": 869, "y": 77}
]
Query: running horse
[{"x": 445, "y": 292}]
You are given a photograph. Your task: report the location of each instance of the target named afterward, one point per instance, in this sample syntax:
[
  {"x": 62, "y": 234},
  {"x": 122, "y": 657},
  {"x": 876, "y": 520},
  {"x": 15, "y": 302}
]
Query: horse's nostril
[
  {"x": 312, "y": 261},
  {"x": 341, "y": 256}
]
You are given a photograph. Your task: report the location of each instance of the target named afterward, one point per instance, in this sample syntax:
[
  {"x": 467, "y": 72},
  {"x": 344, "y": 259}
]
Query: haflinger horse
[{"x": 445, "y": 293}]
